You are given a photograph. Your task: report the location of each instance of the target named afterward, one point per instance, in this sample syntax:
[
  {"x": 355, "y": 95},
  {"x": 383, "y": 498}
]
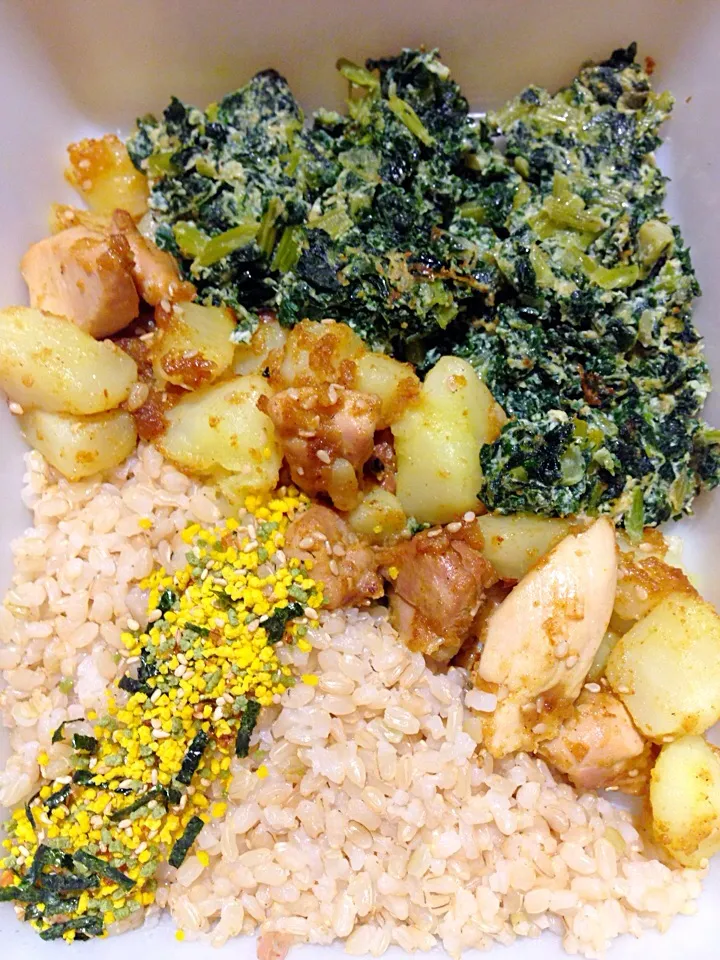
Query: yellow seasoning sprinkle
[
  {"x": 310, "y": 679},
  {"x": 196, "y": 680},
  {"x": 43, "y": 758},
  {"x": 393, "y": 571},
  {"x": 179, "y": 935}
]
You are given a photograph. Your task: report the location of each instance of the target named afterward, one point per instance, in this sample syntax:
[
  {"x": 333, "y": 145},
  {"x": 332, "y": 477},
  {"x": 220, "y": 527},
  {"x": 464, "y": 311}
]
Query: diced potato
[
  {"x": 666, "y": 669},
  {"x": 219, "y": 430},
  {"x": 685, "y": 800},
  {"x": 102, "y": 172},
  {"x": 379, "y": 517},
  {"x": 394, "y": 383},
  {"x": 48, "y": 362},
  {"x": 253, "y": 357},
  {"x": 438, "y": 440},
  {"x": 192, "y": 347},
  {"x": 63, "y": 216},
  {"x": 514, "y": 544},
  {"x": 80, "y": 446},
  {"x": 317, "y": 352},
  {"x": 643, "y": 583}
]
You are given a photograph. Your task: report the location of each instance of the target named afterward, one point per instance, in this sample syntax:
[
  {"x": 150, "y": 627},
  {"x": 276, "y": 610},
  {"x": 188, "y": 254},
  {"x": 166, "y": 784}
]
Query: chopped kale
[
  {"x": 182, "y": 846},
  {"x": 192, "y": 758},
  {"x": 247, "y": 725},
  {"x": 534, "y": 242},
  {"x": 275, "y": 625}
]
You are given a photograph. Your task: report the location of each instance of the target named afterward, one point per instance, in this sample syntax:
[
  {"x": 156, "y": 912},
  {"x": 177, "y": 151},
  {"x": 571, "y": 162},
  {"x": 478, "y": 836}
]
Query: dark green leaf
[{"x": 192, "y": 758}]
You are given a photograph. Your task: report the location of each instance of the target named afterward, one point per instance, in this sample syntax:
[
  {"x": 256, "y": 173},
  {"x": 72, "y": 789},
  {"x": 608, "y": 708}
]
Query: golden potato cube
[
  {"x": 103, "y": 173},
  {"x": 80, "y": 446},
  {"x": 438, "y": 440},
  {"x": 393, "y": 382},
  {"x": 218, "y": 430},
  {"x": 685, "y": 800},
  {"x": 192, "y": 346},
  {"x": 514, "y": 544},
  {"x": 666, "y": 668},
  {"x": 379, "y": 517},
  {"x": 48, "y": 362}
]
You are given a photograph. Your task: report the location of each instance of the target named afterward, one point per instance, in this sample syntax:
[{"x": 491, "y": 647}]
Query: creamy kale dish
[{"x": 346, "y": 604}]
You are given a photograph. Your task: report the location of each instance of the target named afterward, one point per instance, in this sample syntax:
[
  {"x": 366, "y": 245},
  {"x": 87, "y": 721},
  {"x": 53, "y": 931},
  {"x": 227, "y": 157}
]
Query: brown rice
[{"x": 380, "y": 820}]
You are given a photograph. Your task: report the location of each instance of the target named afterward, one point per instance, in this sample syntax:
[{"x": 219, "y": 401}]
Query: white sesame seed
[
  {"x": 124, "y": 824},
  {"x": 155, "y": 615},
  {"x": 454, "y": 526},
  {"x": 539, "y": 728},
  {"x": 561, "y": 649},
  {"x": 15, "y": 408},
  {"x": 469, "y": 516},
  {"x": 133, "y": 624},
  {"x": 570, "y": 662},
  {"x": 622, "y": 689},
  {"x": 160, "y": 734},
  {"x": 306, "y": 543},
  {"x": 140, "y": 847},
  {"x": 339, "y": 550},
  {"x": 179, "y": 671},
  {"x": 434, "y": 533},
  {"x": 633, "y": 773},
  {"x": 156, "y": 695},
  {"x": 334, "y": 569},
  {"x": 592, "y": 687},
  {"x": 165, "y": 304},
  {"x": 156, "y": 723},
  {"x": 323, "y": 456},
  {"x": 249, "y": 547},
  {"x": 310, "y": 613}
]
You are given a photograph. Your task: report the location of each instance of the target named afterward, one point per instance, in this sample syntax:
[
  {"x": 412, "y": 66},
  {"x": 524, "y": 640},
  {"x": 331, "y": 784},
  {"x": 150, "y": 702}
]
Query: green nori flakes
[
  {"x": 247, "y": 725},
  {"x": 182, "y": 844},
  {"x": 192, "y": 758}
]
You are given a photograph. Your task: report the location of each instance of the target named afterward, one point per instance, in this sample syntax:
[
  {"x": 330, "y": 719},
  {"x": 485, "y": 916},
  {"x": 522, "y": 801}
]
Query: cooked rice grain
[{"x": 379, "y": 821}]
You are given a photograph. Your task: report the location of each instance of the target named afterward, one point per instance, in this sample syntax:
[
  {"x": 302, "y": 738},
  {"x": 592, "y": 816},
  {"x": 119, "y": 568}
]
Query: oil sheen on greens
[{"x": 532, "y": 241}]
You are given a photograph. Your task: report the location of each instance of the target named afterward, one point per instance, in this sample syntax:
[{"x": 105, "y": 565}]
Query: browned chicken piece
[
  {"x": 326, "y": 433},
  {"x": 598, "y": 746},
  {"x": 541, "y": 641},
  {"x": 81, "y": 275},
  {"x": 155, "y": 272},
  {"x": 382, "y": 465},
  {"x": 439, "y": 580},
  {"x": 346, "y": 567}
]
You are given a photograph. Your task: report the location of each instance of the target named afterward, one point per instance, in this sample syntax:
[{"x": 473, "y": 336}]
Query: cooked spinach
[{"x": 533, "y": 241}]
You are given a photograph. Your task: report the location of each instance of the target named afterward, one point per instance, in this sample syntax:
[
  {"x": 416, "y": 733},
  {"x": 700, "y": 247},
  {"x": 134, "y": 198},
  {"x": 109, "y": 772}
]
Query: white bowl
[{"x": 73, "y": 68}]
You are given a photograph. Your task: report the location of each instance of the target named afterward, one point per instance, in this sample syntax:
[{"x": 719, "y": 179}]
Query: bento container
[{"x": 72, "y": 68}]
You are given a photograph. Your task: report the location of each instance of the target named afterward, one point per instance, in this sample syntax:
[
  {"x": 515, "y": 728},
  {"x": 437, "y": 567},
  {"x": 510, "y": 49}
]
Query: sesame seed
[
  {"x": 434, "y": 533},
  {"x": 154, "y": 616},
  {"x": 593, "y": 687},
  {"x": 469, "y": 516},
  {"x": 160, "y": 734},
  {"x": 339, "y": 550},
  {"x": 622, "y": 689},
  {"x": 133, "y": 625},
  {"x": 306, "y": 543},
  {"x": 334, "y": 569},
  {"x": 124, "y": 824},
  {"x": 571, "y": 661},
  {"x": 310, "y": 613},
  {"x": 539, "y": 728},
  {"x": 323, "y": 456},
  {"x": 454, "y": 526},
  {"x": 15, "y": 409}
]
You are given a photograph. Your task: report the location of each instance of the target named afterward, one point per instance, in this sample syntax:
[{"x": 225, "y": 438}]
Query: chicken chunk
[
  {"x": 155, "y": 272},
  {"x": 383, "y": 464},
  {"x": 541, "y": 641},
  {"x": 327, "y": 436},
  {"x": 346, "y": 567},
  {"x": 82, "y": 275},
  {"x": 598, "y": 746},
  {"x": 439, "y": 581}
]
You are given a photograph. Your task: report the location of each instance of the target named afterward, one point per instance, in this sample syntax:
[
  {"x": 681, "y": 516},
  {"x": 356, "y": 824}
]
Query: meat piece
[
  {"x": 541, "y": 641},
  {"x": 439, "y": 581},
  {"x": 346, "y": 567},
  {"x": 326, "y": 433},
  {"x": 598, "y": 746},
  {"x": 155, "y": 272},
  {"x": 382, "y": 465},
  {"x": 84, "y": 276}
]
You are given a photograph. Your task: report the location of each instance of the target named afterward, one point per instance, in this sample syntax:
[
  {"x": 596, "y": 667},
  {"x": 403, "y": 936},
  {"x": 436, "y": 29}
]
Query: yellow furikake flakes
[{"x": 84, "y": 851}]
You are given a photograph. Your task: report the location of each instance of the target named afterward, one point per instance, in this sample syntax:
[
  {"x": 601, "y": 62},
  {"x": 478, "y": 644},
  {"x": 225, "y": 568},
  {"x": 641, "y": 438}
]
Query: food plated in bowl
[{"x": 347, "y": 645}]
